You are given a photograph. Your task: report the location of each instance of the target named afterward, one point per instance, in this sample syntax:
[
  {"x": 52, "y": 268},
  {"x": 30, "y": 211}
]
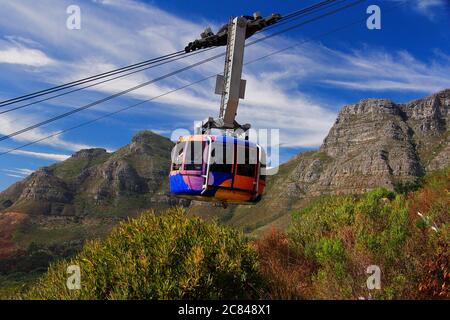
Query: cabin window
[
  {"x": 247, "y": 159},
  {"x": 194, "y": 155},
  {"x": 222, "y": 156},
  {"x": 177, "y": 155}
]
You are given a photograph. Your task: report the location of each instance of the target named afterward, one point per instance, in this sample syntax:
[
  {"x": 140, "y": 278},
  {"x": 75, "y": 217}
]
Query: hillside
[
  {"x": 159, "y": 257},
  {"x": 324, "y": 255},
  {"x": 332, "y": 241},
  {"x": 374, "y": 143},
  {"x": 50, "y": 213}
]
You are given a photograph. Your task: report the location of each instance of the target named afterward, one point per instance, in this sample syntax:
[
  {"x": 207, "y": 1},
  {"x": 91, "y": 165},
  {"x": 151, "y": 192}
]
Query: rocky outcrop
[
  {"x": 43, "y": 185},
  {"x": 93, "y": 180},
  {"x": 371, "y": 144},
  {"x": 89, "y": 154}
]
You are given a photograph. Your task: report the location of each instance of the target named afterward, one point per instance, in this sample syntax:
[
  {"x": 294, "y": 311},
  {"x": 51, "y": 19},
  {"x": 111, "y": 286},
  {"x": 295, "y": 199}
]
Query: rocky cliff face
[
  {"x": 380, "y": 143},
  {"x": 94, "y": 181},
  {"x": 373, "y": 143}
]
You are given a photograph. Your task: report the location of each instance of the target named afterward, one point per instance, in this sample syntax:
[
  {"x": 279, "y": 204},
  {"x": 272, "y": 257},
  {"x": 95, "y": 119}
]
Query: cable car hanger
[{"x": 230, "y": 86}]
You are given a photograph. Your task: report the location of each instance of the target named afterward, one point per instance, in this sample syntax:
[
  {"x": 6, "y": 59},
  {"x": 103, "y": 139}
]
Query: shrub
[
  {"x": 285, "y": 270},
  {"x": 329, "y": 251},
  {"x": 159, "y": 257},
  {"x": 434, "y": 198},
  {"x": 406, "y": 187},
  {"x": 340, "y": 236},
  {"x": 436, "y": 282}
]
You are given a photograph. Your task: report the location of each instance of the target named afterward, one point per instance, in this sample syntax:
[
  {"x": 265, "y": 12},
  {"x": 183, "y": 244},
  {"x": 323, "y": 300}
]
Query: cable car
[
  {"x": 217, "y": 168},
  {"x": 222, "y": 168}
]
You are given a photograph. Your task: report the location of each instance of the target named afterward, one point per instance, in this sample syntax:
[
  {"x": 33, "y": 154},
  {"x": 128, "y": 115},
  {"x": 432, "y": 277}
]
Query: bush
[
  {"x": 342, "y": 235},
  {"x": 406, "y": 187},
  {"x": 159, "y": 257},
  {"x": 285, "y": 270},
  {"x": 436, "y": 282}
]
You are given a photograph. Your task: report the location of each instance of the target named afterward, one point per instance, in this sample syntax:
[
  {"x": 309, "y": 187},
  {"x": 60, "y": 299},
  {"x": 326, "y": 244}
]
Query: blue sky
[{"x": 299, "y": 91}]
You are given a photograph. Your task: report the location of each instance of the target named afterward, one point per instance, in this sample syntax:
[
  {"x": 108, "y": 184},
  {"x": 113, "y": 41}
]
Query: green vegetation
[
  {"x": 27, "y": 268},
  {"x": 29, "y": 234},
  {"x": 407, "y": 186},
  {"x": 72, "y": 167},
  {"x": 159, "y": 257},
  {"x": 16, "y": 283},
  {"x": 324, "y": 255},
  {"x": 338, "y": 237}
]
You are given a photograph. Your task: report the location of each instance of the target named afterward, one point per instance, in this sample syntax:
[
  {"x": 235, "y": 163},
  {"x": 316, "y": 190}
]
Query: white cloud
[
  {"x": 42, "y": 155},
  {"x": 24, "y": 56},
  {"x": 9, "y": 124},
  {"x": 25, "y": 171},
  {"x": 14, "y": 175},
  {"x": 18, "y": 172},
  {"x": 398, "y": 71},
  {"x": 428, "y": 8},
  {"x": 33, "y": 154},
  {"x": 369, "y": 69},
  {"x": 22, "y": 171}
]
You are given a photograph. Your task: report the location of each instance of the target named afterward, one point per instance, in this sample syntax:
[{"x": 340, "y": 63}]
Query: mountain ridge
[{"x": 95, "y": 176}]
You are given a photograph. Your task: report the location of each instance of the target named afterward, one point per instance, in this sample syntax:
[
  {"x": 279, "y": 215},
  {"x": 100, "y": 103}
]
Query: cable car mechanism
[{"x": 223, "y": 168}]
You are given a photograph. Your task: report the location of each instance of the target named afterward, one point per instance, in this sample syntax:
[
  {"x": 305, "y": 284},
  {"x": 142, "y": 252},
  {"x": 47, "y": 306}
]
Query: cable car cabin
[{"x": 217, "y": 169}]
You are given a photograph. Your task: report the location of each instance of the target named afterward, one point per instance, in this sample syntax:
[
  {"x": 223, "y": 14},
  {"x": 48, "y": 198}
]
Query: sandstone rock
[
  {"x": 131, "y": 178},
  {"x": 89, "y": 153}
]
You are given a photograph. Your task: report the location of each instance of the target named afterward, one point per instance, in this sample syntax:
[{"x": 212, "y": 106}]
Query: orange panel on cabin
[
  {"x": 243, "y": 182},
  {"x": 222, "y": 194},
  {"x": 226, "y": 184}
]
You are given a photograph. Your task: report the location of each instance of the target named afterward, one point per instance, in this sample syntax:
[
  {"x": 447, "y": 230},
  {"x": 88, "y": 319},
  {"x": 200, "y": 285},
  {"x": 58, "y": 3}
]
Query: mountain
[
  {"x": 373, "y": 143},
  {"x": 50, "y": 213},
  {"x": 93, "y": 181}
]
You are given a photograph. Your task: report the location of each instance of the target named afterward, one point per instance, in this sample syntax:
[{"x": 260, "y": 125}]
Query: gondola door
[{"x": 246, "y": 168}]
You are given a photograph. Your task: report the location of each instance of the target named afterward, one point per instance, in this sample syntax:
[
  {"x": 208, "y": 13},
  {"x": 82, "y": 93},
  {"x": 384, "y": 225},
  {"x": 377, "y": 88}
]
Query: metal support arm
[{"x": 230, "y": 86}]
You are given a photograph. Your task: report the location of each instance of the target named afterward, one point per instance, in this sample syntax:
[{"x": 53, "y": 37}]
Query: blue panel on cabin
[
  {"x": 219, "y": 177},
  {"x": 177, "y": 185}
]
